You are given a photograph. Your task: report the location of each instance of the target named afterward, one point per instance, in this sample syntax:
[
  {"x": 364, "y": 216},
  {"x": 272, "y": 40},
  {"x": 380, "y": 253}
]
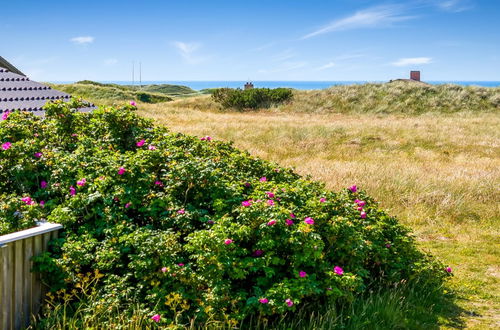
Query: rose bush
[{"x": 191, "y": 228}]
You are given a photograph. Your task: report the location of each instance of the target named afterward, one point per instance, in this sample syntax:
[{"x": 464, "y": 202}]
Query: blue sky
[{"x": 256, "y": 40}]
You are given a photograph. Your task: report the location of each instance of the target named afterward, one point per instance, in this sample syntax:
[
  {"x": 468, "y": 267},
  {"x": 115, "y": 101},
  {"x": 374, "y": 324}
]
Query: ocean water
[{"x": 303, "y": 85}]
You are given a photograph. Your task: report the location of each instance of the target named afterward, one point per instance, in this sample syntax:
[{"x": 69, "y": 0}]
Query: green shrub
[
  {"x": 251, "y": 98},
  {"x": 192, "y": 229}
]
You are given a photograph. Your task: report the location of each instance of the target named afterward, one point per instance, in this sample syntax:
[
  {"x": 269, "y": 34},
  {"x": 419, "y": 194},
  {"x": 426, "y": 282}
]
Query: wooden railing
[{"x": 21, "y": 291}]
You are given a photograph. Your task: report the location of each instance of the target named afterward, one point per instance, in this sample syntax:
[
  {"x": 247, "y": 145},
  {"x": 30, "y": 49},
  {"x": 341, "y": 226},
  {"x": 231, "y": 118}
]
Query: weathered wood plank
[
  {"x": 7, "y": 275},
  {"x": 43, "y": 228},
  {"x": 2, "y": 281},
  {"x": 28, "y": 264},
  {"x": 36, "y": 283},
  {"x": 17, "y": 281}
]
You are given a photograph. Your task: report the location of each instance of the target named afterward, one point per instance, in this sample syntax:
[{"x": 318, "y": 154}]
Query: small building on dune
[
  {"x": 414, "y": 77},
  {"x": 18, "y": 92}
]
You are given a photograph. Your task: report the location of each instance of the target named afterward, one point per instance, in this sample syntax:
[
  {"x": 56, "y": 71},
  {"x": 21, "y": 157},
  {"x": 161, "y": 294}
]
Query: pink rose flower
[
  {"x": 38, "y": 154},
  {"x": 180, "y": 264},
  {"x": 128, "y": 205},
  {"x": 151, "y": 147},
  {"x": 43, "y": 184},
  {"x": 322, "y": 200},
  {"x": 164, "y": 269},
  {"x": 6, "y": 145},
  {"x": 27, "y": 200},
  {"x": 263, "y": 300},
  {"x": 353, "y": 188},
  {"x": 271, "y": 223},
  {"x": 289, "y": 302},
  {"x": 448, "y": 269},
  {"x": 309, "y": 221},
  {"x": 270, "y": 202},
  {"x": 81, "y": 182},
  {"x": 263, "y": 179},
  {"x": 246, "y": 203},
  {"x": 181, "y": 211},
  {"x": 361, "y": 203},
  {"x": 289, "y": 222},
  {"x": 72, "y": 191},
  {"x": 42, "y": 203},
  {"x": 292, "y": 216},
  {"x": 269, "y": 194},
  {"x": 155, "y": 317},
  {"x": 121, "y": 171},
  {"x": 159, "y": 183},
  {"x": 132, "y": 103},
  {"x": 74, "y": 135},
  {"x": 140, "y": 143},
  {"x": 206, "y": 138},
  {"x": 338, "y": 270},
  {"x": 228, "y": 241},
  {"x": 5, "y": 115},
  {"x": 360, "y": 208},
  {"x": 363, "y": 215},
  {"x": 302, "y": 273}
]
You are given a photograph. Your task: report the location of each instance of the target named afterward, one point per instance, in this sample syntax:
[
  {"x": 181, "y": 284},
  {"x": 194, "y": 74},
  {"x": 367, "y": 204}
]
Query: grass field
[{"x": 438, "y": 172}]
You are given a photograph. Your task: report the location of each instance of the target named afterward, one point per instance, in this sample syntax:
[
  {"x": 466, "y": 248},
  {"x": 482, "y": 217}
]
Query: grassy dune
[
  {"x": 108, "y": 94},
  {"x": 438, "y": 171},
  {"x": 398, "y": 98}
]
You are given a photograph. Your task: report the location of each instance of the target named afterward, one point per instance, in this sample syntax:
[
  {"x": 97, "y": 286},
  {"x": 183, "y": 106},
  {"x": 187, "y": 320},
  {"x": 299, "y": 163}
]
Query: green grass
[
  {"x": 401, "y": 307},
  {"x": 438, "y": 172},
  {"x": 428, "y": 154},
  {"x": 109, "y": 94}
]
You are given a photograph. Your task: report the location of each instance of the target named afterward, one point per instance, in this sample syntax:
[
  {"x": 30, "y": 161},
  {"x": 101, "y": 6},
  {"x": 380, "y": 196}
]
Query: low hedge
[
  {"x": 251, "y": 98},
  {"x": 190, "y": 228}
]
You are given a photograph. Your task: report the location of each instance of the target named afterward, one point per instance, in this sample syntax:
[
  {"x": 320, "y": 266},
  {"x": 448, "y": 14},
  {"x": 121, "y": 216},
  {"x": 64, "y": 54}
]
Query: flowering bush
[
  {"x": 251, "y": 98},
  {"x": 191, "y": 228}
]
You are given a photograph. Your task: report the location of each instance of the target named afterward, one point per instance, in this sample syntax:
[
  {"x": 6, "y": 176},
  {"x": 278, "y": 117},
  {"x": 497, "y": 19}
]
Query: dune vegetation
[
  {"x": 430, "y": 155},
  {"x": 436, "y": 168},
  {"x": 192, "y": 231},
  {"x": 101, "y": 93}
]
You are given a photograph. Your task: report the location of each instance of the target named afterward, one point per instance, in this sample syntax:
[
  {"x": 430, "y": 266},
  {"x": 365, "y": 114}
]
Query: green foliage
[
  {"x": 97, "y": 92},
  {"x": 194, "y": 229},
  {"x": 251, "y": 98}
]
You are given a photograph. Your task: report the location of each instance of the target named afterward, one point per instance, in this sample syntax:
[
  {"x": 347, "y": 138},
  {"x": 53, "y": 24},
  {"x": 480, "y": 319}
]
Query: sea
[{"x": 302, "y": 85}]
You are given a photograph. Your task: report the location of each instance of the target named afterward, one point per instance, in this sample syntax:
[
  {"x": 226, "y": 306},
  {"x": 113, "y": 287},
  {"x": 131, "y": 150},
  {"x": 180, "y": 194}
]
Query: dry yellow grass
[{"x": 440, "y": 174}]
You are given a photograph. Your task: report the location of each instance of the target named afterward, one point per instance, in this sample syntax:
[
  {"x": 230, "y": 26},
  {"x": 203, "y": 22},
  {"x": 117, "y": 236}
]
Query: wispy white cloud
[
  {"x": 188, "y": 51},
  {"x": 412, "y": 61},
  {"x": 326, "y": 66},
  {"x": 82, "y": 40},
  {"x": 380, "y": 16},
  {"x": 110, "y": 61},
  {"x": 455, "y": 6}
]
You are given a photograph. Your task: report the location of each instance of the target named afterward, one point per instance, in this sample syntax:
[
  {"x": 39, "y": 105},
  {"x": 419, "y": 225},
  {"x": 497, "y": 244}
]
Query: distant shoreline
[{"x": 301, "y": 85}]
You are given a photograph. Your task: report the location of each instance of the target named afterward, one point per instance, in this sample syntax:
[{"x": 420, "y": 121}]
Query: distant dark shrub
[
  {"x": 252, "y": 98},
  {"x": 151, "y": 98}
]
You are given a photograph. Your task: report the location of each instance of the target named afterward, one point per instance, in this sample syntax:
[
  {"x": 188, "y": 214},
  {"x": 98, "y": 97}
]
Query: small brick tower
[{"x": 415, "y": 75}]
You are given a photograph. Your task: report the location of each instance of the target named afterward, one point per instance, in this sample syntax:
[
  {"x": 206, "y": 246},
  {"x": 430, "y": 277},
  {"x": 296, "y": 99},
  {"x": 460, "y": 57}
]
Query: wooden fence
[{"x": 21, "y": 290}]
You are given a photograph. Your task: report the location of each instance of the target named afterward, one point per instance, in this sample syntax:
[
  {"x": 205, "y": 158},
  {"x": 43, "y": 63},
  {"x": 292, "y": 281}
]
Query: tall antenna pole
[
  {"x": 140, "y": 75},
  {"x": 133, "y": 77}
]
